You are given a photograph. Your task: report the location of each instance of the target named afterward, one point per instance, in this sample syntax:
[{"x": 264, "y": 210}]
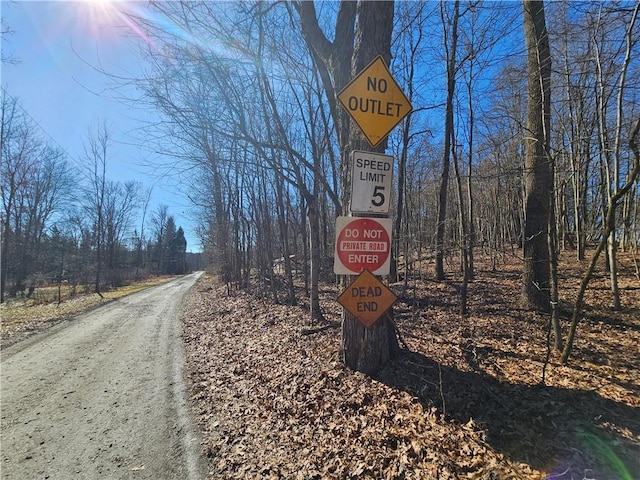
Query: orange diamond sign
[
  {"x": 375, "y": 101},
  {"x": 367, "y": 298}
]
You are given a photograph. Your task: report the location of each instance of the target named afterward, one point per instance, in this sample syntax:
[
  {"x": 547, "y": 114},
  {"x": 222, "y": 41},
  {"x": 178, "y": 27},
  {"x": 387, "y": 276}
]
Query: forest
[
  {"x": 71, "y": 226},
  {"x": 514, "y": 209},
  {"x": 265, "y": 145},
  {"x": 255, "y": 132}
]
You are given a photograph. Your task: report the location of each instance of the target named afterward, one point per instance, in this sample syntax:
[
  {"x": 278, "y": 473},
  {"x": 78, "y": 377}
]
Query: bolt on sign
[
  {"x": 367, "y": 298},
  {"x": 370, "y": 182},
  {"x": 362, "y": 244},
  {"x": 375, "y": 101}
]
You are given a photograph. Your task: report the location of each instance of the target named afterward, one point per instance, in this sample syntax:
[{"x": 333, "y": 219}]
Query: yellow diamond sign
[{"x": 375, "y": 101}]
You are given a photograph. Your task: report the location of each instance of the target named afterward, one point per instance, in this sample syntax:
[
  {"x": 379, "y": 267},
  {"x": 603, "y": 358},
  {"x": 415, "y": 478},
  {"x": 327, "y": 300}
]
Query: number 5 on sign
[{"x": 371, "y": 175}]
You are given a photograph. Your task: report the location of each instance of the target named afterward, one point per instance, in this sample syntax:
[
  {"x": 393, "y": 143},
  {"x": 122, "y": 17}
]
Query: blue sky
[{"x": 59, "y": 46}]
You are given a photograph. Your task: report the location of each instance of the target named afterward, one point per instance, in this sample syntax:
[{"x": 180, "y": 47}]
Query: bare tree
[
  {"x": 537, "y": 173},
  {"x": 361, "y": 33},
  {"x": 450, "y": 45},
  {"x": 159, "y": 219},
  {"x": 609, "y": 226},
  {"x": 5, "y": 33},
  {"x": 96, "y": 155},
  {"x": 15, "y": 148},
  {"x": 223, "y": 107},
  {"x": 35, "y": 183},
  {"x": 411, "y": 41},
  {"x": 140, "y": 260},
  {"x": 121, "y": 203},
  {"x": 610, "y": 141}
]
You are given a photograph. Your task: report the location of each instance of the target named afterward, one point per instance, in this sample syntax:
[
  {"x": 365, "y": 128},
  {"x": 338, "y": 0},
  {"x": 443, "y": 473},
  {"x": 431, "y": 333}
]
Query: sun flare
[{"x": 101, "y": 17}]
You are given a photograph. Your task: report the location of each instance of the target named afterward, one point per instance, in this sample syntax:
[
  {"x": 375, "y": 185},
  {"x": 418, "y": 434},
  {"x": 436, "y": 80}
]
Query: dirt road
[{"x": 102, "y": 396}]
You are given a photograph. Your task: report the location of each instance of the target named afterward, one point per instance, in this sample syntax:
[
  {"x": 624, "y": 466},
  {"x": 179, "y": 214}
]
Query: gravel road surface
[{"x": 102, "y": 396}]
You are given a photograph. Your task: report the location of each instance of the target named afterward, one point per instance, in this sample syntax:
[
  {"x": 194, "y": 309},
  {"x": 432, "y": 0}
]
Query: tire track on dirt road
[{"x": 102, "y": 396}]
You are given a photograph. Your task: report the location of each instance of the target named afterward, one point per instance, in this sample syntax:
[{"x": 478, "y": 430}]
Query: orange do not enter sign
[{"x": 362, "y": 244}]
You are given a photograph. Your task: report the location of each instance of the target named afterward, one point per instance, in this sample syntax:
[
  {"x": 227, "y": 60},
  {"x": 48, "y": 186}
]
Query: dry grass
[{"x": 23, "y": 316}]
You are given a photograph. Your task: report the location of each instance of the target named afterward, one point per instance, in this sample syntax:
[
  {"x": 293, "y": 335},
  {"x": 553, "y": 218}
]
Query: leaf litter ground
[{"x": 465, "y": 401}]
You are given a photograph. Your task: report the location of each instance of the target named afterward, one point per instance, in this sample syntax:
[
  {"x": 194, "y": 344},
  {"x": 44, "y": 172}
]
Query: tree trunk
[
  {"x": 462, "y": 225},
  {"x": 471, "y": 234},
  {"x": 369, "y": 349},
  {"x": 448, "y": 136},
  {"x": 397, "y": 226},
  {"x": 402, "y": 170},
  {"x": 613, "y": 269},
  {"x": 537, "y": 170},
  {"x": 284, "y": 239},
  {"x": 365, "y": 350},
  {"x": 613, "y": 185},
  {"x": 314, "y": 247},
  {"x": 305, "y": 244},
  {"x": 553, "y": 257}
]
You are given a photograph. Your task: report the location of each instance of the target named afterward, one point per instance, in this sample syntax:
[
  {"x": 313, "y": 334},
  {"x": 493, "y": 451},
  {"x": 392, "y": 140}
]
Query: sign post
[{"x": 377, "y": 104}]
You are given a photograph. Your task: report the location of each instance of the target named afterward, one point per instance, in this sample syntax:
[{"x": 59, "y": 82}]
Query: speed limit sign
[{"x": 370, "y": 182}]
